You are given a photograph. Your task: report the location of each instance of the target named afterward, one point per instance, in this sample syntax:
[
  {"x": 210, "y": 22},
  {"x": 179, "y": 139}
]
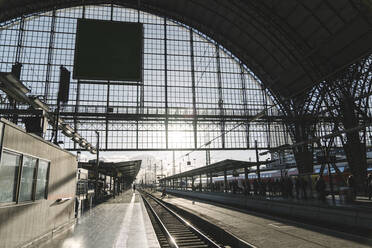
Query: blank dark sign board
[{"x": 108, "y": 50}]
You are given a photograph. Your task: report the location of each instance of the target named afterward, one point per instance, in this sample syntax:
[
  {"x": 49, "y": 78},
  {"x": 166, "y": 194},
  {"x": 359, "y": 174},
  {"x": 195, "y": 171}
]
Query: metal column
[
  {"x": 201, "y": 184},
  {"x": 245, "y": 103},
  {"x": 220, "y": 96},
  {"x": 211, "y": 181},
  {"x": 258, "y": 162},
  {"x": 166, "y": 83},
  {"x": 246, "y": 177},
  {"x": 50, "y": 57},
  {"x": 225, "y": 180},
  {"x": 192, "y": 183},
  {"x": 195, "y": 120}
]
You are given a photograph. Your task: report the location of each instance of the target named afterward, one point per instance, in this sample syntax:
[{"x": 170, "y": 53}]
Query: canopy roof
[
  {"x": 290, "y": 45},
  {"x": 127, "y": 170},
  {"x": 217, "y": 169}
]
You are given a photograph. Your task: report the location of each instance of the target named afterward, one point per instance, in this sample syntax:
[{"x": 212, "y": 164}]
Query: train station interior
[{"x": 185, "y": 123}]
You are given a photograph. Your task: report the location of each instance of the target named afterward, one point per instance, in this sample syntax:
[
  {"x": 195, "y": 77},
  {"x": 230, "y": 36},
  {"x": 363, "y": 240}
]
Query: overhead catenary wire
[{"x": 257, "y": 116}]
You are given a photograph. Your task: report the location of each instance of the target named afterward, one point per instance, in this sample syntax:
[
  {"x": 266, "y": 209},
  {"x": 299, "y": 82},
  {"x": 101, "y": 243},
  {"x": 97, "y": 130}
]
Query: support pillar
[
  {"x": 192, "y": 183},
  {"x": 225, "y": 180},
  {"x": 303, "y": 154},
  {"x": 355, "y": 149},
  {"x": 246, "y": 179},
  {"x": 258, "y": 162},
  {"x": 211, "y": 181},
  {"x": 201, "y": 184},
  {"x": 114, "y": 187},
  {"x": 104, "y": 184},
  {"x": 111, "y": 184}
]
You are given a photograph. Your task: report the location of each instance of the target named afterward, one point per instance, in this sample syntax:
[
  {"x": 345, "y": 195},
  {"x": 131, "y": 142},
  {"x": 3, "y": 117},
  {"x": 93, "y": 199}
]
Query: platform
[
  {"x": 267, "y": 231},
  {"x": 120, "y": 222},
  {"x": 353, "y": 216}
]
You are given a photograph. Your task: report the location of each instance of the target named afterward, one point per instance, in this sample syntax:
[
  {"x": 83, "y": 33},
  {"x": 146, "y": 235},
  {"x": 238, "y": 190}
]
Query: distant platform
[
  {"x": 264, "y": 230},
  {"x": 119, "y": 223}
]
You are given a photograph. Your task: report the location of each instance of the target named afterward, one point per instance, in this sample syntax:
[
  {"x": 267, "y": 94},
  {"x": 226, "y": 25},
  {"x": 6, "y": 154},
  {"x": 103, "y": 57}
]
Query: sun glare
[{"x": 178, "y": 138}]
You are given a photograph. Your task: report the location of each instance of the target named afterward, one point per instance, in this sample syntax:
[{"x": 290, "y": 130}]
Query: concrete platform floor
[
  {"x": 267, "y": 231},
  {"x": 120, "y": 222}
]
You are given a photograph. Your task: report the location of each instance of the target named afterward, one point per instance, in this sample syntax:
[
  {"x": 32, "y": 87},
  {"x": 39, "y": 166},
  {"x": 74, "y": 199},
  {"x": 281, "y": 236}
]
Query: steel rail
[
  {"x": 171, "y": 240},
  {"x": 210, "y": 242}
]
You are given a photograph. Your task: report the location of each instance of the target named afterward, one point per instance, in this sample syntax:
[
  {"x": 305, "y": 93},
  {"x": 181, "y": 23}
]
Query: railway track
[{"x": 173, "y": 230}]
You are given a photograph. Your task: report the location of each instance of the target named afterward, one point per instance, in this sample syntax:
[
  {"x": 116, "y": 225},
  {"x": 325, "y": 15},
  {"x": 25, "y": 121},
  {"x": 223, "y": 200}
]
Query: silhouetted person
[
  {"x": 369, "y": 186},
  {"x": 304, "y": 187},
  {"x": 134, "y": 187},
  {"x": 76, "y": 207},
  {"x": 270, "y": 187},
  {"x": 297, "y": 187},
  {"x": 234, "y": 187},
  {"x": 163, "y": 193},
  {"x": 282, "y": 187},
  {"x": 247, "y": 188},
  {"x": 351, "y": 184},
  {"x": 320, "y": 188},
  {"x": 255, "y": 186},
  {"x": 290, "y": 187},
  {"x": 262, "y": 188},
  {"x": 277, "y": 187}
]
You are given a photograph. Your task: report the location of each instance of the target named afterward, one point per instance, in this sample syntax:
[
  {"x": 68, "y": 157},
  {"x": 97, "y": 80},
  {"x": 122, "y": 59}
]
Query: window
[
  {"x": 22, "y": 178},
  {"x": 27, "y": 178},
  {"x": 9, "y": 171},
  {"x": 42, "y": 180}
]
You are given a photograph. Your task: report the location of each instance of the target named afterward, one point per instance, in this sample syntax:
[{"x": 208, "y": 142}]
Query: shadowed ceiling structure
[{"x": 290, "y": 45}]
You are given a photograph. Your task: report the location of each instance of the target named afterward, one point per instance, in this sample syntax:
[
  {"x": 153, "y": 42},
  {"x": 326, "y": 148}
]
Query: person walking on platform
[
  {"x": 134, "y": 187},
  {"x": 77, "y": 203},
  {"x": 247, "y": 188},
  {"x": 263, "y": 188},
  {"x": 234, "y": 187},
  {"x": 290, "y": 187},
  {"x": 351, "y": 184},
  {"x": 320, "y": 188},
  {"x": 282, "y": 187},
  {"x": 277, "y": 187},
  {"x": 369, "y": 186},
  {"x": 297, "y": 187},
  {"x": 270, "y": 187},
  {"x": 255, "y": 186},
  {"x": 304, "y": 187},
  {"x": 163, "y": 193}
]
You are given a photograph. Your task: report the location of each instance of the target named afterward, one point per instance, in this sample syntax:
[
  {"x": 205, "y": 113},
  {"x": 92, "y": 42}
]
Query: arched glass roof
[
  {"x": 194, "y": 90},
  {"x": 290, "y": 45}
]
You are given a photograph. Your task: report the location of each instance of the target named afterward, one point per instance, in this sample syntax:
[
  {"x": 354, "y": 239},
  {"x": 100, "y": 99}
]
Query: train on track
[{"x": 277, "y": 174}]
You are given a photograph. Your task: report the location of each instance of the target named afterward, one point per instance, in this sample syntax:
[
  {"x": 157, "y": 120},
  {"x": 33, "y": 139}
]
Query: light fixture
[
  {"x": 13, "y": 87},
  {"x": 83, "y": 142}
]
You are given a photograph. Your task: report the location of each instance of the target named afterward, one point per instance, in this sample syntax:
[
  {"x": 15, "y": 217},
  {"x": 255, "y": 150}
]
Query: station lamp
[{"x": 13, "y": 87}]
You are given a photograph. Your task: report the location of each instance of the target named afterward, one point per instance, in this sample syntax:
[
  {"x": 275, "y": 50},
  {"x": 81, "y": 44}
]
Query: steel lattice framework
[
  {"x": 193, "y": 91},
  {"x": 210, "y": 68}
]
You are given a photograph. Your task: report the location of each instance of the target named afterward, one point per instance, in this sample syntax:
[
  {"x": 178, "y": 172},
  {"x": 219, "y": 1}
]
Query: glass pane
[
  {"x": 27, "y": 178},
  {"x": 41, "y": 183},
  {"x": 8, "y": 176}
]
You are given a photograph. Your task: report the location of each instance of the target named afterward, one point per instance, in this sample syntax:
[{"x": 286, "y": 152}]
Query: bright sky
[{"x": 197, "y": 159}]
